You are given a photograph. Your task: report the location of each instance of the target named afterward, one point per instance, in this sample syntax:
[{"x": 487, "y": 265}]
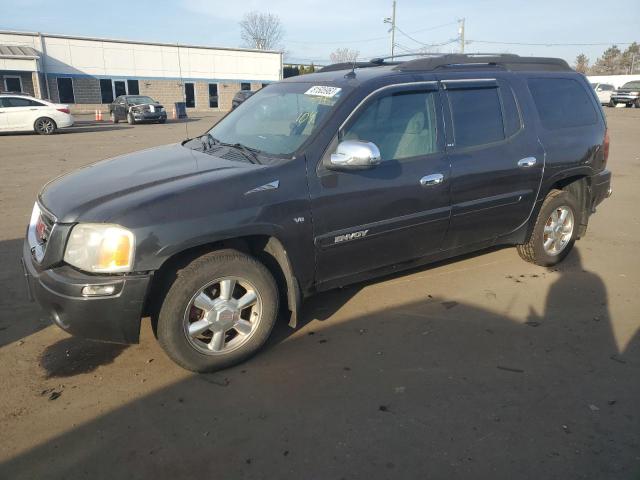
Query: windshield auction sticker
[{"x": 323, "y": 91}]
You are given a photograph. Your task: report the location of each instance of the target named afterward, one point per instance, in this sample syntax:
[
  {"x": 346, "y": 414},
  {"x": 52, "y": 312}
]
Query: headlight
[{"x": 100, "y": 248}]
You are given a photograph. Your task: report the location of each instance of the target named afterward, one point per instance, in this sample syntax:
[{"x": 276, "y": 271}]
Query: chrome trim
[
  {"x": 262, "y": 188},
  {"x": 433, "y": 179},
  {"x": 527, "y": 162},
  {"x": 356, "y": 153}
]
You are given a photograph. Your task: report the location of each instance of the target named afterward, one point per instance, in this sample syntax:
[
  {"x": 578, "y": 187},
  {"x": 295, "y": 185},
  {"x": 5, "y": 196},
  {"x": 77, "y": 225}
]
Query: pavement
[{"x": 479, "y": 367}]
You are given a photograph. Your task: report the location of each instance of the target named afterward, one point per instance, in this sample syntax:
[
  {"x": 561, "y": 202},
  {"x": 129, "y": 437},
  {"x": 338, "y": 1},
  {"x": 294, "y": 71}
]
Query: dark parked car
[
  {"x": 629, "y": 94},
  {"x": 317, "y": 182},
  {"x": 137, "y": 108},
  {"x": 240, "y": 97}
]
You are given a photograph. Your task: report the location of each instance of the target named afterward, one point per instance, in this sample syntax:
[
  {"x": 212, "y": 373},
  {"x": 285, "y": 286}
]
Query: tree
[
  {"x": 609, "y": 62},
  {"x": 582, "y": 64},
  {"x": 261, "y": 30},
  {"x": 344, "y": 55},
  {"x": 630, "y": 59}
]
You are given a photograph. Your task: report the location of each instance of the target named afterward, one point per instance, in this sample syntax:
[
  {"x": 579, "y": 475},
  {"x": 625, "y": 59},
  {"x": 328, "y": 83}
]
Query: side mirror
[{"x": 354, "y": 155}]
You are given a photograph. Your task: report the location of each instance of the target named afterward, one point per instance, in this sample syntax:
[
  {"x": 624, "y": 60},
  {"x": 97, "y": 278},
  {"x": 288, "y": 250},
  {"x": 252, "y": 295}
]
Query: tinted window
[
  {"x": 65, "y": 90},
  {"x": 402, "y": 125},
  {"x": 512, "y": 120},
  {"x": 8, "y": 102},
  {"x": 562, "y": 102},
  {"x": 606, "y": 87},
  {"x": 476, "y": 115},
  {"x": 106, "y": 92}
]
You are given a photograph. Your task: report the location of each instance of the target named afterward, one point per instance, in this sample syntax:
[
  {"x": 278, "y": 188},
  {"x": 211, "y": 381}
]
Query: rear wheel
[
  {"x": 628, "y": 105},
  {"x": 44, "y": 126},
  {"x": 114, "y": 118},
  {"x": 555, "y": 230},
  {"x": 219, "y": 311}
]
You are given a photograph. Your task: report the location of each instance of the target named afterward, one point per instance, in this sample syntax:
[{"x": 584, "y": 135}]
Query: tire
[
  {"x": 44, "y": 126},
  {"x": 534, "y": 250},
  {"x": 612, "y": 103},
  {"x": 162, "y": 120},
  {"x": 180, "y": 311},
  {"x": 114, "y": 118},
  {"x": 637, "y": 104},
  {"x": 628, "y": 105},
  {"x": 130, "y": 119}
]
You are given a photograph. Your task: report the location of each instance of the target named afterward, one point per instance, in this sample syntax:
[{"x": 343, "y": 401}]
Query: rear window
[
  {"x": 477, "y": 116},
  {"x": 562, "y": 103}
]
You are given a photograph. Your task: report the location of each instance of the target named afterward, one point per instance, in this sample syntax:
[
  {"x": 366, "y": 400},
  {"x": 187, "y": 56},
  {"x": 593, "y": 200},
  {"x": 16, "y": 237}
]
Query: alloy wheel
[
  {"x": 558, "y": 230},
  {"x": 222, "y": 316}
]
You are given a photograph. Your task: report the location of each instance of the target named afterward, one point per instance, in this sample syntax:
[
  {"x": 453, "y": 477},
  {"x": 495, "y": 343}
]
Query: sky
[{"x": 313, "y": 29}]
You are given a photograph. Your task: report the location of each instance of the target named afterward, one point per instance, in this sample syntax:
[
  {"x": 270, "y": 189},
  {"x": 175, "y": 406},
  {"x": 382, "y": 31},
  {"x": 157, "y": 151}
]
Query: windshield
[
  {"x": 279, "y": 118},
  {"x": 140, "y": 100},
  {"x": 635, "y": 85}
]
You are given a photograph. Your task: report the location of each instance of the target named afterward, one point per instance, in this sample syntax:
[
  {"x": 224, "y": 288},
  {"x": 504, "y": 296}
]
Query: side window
[
  {"x": 477, "y": 116},
  {"x": 401, "y": 124},
  {"x": 562, "y": 103},
  {"x": 512, "y": 119},
  {"x": 18, "y": 102}
]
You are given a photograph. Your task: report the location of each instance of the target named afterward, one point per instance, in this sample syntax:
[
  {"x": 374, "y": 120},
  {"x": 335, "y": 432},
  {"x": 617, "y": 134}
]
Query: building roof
[
  {"x": 17, "y": 51},
  {"x": 136, "y": 42}
]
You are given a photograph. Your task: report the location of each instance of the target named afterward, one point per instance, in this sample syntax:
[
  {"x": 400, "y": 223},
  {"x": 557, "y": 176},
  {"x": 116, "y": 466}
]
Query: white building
[{"x": 89, "y": 73}]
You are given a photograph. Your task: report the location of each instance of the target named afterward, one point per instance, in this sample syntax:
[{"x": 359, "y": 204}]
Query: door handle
[
  {"x": 33, "y": 109},
  {"x": 433, "y": 179},
  {"x": 527, "y": 162}
]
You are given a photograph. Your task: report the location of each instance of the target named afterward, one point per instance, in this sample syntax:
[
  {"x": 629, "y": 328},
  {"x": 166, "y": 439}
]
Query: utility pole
[
  {"x": 461, "y": 34},
  {"x": 392, "y": 20}
]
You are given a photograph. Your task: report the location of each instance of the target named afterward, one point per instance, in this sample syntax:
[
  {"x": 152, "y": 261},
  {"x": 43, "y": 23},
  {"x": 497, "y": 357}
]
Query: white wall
[
  {"x": 615, "y": 80},
  {"x": 110, "y": 58}
]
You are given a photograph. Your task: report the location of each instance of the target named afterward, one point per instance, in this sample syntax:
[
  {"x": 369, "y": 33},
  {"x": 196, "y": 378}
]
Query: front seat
[{"x": 415, "y": 140}]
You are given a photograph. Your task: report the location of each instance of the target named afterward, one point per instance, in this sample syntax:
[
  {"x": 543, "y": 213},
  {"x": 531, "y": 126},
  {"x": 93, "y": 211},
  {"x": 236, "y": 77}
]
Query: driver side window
[{"x": 401, "y": 124}]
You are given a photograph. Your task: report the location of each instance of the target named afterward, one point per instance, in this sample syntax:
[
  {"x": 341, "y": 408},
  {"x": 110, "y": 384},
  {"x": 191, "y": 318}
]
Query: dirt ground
[{"x": 481, "y": 367}]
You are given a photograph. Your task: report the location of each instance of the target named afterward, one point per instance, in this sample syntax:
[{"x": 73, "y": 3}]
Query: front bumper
[
  {"x": 624, "y": 98},
  {"x": 113, "y": 318},
  {"x": 149, "y": 116},
  {"x": 600, "y": 188}
]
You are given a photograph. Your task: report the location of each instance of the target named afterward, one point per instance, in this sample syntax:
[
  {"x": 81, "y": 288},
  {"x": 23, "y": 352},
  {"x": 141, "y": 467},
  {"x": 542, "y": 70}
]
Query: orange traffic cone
[{"x": 98, "y": 115}]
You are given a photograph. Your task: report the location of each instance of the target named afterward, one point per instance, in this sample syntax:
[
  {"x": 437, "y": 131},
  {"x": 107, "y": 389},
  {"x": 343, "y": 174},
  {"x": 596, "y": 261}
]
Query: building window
[
  {"x": 132, "y": 87},
  {"x": 65, "y": 90},
  {"x": 12, "y": 83},
  {"x": 119, "y": 88},
  {"x": 264, "y": 85},
  {"x": 245, "y": 86},
  {"x": 190, "y": 95},
  {"x": 213, "y": 95},
  {"x": 106, "y": 90}
]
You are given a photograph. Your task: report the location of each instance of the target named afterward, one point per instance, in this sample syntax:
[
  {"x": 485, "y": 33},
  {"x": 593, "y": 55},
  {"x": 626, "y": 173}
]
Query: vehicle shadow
[{"x": 425, "y": 388}]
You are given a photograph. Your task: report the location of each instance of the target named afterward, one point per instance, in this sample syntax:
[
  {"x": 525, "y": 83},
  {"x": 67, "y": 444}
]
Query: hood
[{"x": 129, "y": 177}]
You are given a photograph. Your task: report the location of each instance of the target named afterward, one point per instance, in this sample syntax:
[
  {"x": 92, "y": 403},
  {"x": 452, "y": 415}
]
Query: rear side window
[
  {"x": 562, "y": 103},
  {"x": 8, "y": 102},
  {"x": 476, "y": 115}
]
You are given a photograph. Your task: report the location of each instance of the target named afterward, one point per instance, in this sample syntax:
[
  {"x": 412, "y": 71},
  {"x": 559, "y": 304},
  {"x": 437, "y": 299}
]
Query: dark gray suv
[{"x": 313, "y": 183}]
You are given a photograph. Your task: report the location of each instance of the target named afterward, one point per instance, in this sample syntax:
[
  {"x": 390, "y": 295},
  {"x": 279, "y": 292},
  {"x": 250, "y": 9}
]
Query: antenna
[{"x": 184, "y": 98}]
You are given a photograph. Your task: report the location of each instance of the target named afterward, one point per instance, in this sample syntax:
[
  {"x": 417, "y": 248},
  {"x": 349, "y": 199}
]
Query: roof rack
[
  {"x": 433, "y": 61},
  {"x": 507, "y": 61}
]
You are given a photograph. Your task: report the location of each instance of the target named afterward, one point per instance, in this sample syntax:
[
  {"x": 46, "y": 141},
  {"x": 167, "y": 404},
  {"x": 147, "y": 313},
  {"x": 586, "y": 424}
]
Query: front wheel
[
  {"x": 555, "y": 230},
  {"x": 219, "y": 311},
  {"x": 612, "y": 103},
  {"x": 162, "y": 120},
  {"x": 130, "y": 119},
  {"x": 44, "y": 126}
]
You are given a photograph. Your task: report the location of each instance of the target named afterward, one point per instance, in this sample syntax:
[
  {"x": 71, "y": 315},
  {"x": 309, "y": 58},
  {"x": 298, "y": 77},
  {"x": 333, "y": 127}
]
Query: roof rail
[
  {"x": 346, "y": 66},
  {"x": 507, "y": 61}
]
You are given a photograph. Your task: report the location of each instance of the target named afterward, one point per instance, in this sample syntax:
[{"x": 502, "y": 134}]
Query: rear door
[
  {"x": 367, "y": 219},
  {"x": 496, "y": 160},
  {"x": 20, "y": 113}
]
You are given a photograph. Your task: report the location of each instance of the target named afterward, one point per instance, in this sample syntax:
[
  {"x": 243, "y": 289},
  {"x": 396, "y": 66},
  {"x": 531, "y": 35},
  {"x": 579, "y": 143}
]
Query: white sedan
[{"x": 22, "y": 113}]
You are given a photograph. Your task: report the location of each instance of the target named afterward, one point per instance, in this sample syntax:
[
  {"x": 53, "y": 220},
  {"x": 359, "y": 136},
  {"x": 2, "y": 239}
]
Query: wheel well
[
  {"x": 579, "y": 187},
  {"x": 268, "y": 250}
]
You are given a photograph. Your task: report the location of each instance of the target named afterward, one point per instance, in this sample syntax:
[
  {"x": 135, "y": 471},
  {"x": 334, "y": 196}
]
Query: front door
[
  {"x": 496, "y": 161},
  {"x": 396, "y": 211}
]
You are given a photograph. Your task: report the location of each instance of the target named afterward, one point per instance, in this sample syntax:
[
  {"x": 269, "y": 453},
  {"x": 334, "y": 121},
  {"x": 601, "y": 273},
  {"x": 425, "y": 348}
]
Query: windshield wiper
[{"x": 250, "y": 153}]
